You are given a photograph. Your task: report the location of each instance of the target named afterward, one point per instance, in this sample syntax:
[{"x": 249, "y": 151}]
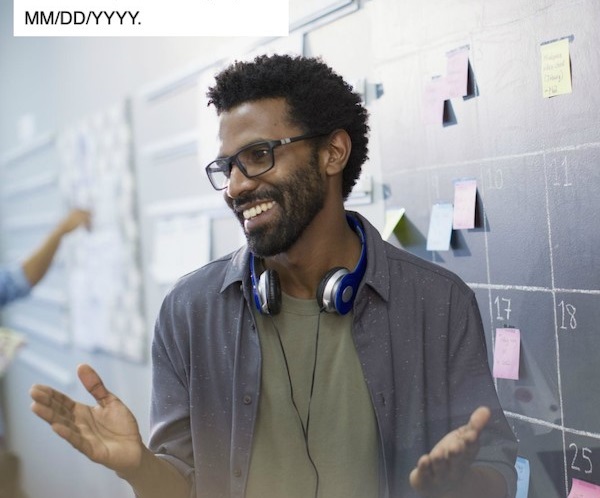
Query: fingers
[
  {"x": 58, "y": 410},
  {"x": 50, "y": 405},
  {"x": 450, "y": 458},
  {"x": 93, "y": 384},
  {"x": 437, "y": 472},
  {"x": 421, "y": 474},
  {"x": 480, "y": 418}
]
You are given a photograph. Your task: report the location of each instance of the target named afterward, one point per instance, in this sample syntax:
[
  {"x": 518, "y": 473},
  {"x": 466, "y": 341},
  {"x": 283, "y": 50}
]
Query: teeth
[{"x": 256, "y": 210}]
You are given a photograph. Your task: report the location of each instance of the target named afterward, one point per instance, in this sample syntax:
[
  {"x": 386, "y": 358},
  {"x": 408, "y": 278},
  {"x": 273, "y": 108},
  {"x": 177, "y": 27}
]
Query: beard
[{"x": 300, "y": 198}]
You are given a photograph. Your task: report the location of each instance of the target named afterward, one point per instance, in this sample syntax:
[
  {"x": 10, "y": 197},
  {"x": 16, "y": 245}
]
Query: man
[
  {"x": 318, "y": 360},
  {"x": 16, "y": 281}
]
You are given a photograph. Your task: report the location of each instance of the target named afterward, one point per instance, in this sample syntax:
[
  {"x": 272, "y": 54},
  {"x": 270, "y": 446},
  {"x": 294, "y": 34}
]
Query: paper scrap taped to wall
[
  {"x": 392, "y": 218},
  {"x": 523, "y": 473},
  {"x": 582, "y": 489},
  {"x": 465, "y": 195},
  {"x": 507, "y": 352},
  {"x": 556, "y": 68},
  {"x": 434, "y": 95},
  {"x": 457, "y": 73},
  {"x": 446, "y": 87},
  {"x": 440, "y": 227}
]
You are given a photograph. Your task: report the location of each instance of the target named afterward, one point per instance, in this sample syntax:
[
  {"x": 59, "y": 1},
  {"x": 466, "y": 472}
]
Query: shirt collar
[{"x": 377, "y": 274}]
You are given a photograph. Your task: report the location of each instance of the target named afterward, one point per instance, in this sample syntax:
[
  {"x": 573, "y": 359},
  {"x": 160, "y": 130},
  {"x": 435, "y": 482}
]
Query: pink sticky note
[
  {"x": 465, "y": 192},
  {"x": 433, "y": 101},
  {"x": 582, "y": 489},
  {"x": 507, "y": 353},
  {"x": 457, "y": 72}
]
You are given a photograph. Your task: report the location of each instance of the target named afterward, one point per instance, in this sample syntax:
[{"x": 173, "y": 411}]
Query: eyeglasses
[{"x": 252, "y": 160}]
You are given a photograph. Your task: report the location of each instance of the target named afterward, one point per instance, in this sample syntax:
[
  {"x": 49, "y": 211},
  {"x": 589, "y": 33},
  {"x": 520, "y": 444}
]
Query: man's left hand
[{"x": 442, "y": 472}]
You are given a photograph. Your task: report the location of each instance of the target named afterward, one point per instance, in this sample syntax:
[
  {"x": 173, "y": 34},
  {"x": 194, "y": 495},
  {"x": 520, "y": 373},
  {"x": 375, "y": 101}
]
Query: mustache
[{"x": 252, "y": 197}]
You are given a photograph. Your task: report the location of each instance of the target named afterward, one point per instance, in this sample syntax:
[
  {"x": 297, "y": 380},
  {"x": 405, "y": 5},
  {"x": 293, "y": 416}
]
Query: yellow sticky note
[
  {"x": 556, "y": 68},
  {"x": 392, "y": 218}
]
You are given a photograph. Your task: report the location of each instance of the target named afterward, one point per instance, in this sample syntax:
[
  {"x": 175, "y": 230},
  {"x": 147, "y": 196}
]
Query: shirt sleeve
[
  {"x": 473, "y": 385},
  {"x": 13, "y": 284},
  {"x": 170, "y": 437}
]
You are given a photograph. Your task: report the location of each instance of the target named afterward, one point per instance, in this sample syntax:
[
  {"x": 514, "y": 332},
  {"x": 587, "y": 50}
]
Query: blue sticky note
[
  {"x": 522, "y": 466},
  {"x": 440, "y": 227}
]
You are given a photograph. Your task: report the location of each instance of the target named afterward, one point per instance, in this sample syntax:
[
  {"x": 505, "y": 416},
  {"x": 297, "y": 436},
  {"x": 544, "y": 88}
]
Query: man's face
[{"x": 274, "y": 208}]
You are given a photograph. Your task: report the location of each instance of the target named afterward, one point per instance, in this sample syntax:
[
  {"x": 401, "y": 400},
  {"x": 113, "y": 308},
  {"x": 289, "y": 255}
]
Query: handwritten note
[
  {"x": 392, "y": 218},
  {"x": 556, "y": 68},
  {"x": 457, "y": 71},
  {"x": 582, "y": 489},
  {"x": 523, "y": 473},
  {"x": 507, "y": 353},
  {"x": 465, "y": 192},
  {"x": 440, "y": 227}
]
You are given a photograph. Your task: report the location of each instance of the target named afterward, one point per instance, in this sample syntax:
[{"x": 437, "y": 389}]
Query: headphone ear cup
[
  {"x": 326, "y": 292},
  {"x": 272, "y": 292}
]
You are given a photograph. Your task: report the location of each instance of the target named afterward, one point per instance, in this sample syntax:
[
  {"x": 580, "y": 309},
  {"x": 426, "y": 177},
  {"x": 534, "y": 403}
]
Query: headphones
[{"x": 336, "y": 291}]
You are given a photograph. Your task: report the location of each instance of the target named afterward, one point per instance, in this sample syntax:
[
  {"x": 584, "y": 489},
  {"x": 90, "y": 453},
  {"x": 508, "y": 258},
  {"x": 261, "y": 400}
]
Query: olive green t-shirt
[{"x": 342, "y": 430}]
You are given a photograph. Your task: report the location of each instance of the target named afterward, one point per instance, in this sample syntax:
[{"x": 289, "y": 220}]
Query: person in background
[
  {"x": 318, "y": 360},
  {"x": 17, "y": 280}
]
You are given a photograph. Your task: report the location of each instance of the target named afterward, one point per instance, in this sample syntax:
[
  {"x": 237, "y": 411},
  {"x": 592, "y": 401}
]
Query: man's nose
[{"x": 238, "y": 182}]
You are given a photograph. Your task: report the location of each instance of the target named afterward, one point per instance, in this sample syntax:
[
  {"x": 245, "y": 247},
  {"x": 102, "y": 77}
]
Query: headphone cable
[{"x": 312, "y": 387}]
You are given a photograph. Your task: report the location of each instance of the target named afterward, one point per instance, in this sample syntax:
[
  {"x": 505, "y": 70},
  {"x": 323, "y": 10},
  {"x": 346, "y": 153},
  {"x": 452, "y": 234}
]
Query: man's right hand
[{"x": 106, "y": 433}]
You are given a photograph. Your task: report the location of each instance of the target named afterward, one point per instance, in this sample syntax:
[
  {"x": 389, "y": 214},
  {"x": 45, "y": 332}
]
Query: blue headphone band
[
  {"x": 335, "y": 293},
  {"x": 255, "y": 293}
]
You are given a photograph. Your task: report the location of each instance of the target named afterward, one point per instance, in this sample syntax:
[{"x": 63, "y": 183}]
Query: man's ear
[{"x": 337, "y": 151}]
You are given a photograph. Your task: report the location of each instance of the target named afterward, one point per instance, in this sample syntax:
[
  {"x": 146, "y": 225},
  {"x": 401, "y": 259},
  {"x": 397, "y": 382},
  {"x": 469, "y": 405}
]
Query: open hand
[
  {"x": 106, "y": 433},
  {"x": 442, "y": 472}
]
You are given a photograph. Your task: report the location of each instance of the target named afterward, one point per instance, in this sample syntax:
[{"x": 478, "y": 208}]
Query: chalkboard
[{"x": 533, "y": 258}]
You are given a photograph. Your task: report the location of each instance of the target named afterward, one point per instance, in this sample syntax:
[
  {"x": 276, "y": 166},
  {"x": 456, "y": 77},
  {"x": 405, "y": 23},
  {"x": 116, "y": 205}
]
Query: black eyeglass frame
[{"x": 233, "y": 159}]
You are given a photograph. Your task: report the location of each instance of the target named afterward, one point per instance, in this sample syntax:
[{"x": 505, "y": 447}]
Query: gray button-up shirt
[{"x": 418, "y": 335}]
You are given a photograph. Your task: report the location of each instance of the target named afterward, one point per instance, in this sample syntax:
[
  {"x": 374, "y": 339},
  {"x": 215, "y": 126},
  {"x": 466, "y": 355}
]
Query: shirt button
[
  {"x": 247, "y": 399},
  {"x": 237, "y": 473}
]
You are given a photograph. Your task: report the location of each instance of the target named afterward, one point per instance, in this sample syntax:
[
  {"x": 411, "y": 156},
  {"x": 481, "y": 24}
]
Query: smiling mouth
[{"x": 256, "y": 210}]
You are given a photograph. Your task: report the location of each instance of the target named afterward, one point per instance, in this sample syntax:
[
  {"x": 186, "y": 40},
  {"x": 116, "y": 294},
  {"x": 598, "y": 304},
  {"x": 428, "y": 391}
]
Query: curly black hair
[{"x": 319, "y": 100}]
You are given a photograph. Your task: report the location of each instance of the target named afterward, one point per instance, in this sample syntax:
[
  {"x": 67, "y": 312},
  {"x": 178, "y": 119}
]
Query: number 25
[{"x": 585, "y": 454}]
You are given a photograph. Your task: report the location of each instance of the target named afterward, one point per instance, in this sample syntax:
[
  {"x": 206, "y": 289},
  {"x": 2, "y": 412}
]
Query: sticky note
[
  {"x": 433, "y": 101},
  {"x": 556, "y": 68},
  {"x": 523, "y": 473},
  {"x": 582, "y": 489},
  {"x": 457, "y": 72},
  {"x": 392, "y": 218},
  {"x": 507, "y": 352},
  {"x": 440, "y": 227},
  {"x": 465, "y": 193}
]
